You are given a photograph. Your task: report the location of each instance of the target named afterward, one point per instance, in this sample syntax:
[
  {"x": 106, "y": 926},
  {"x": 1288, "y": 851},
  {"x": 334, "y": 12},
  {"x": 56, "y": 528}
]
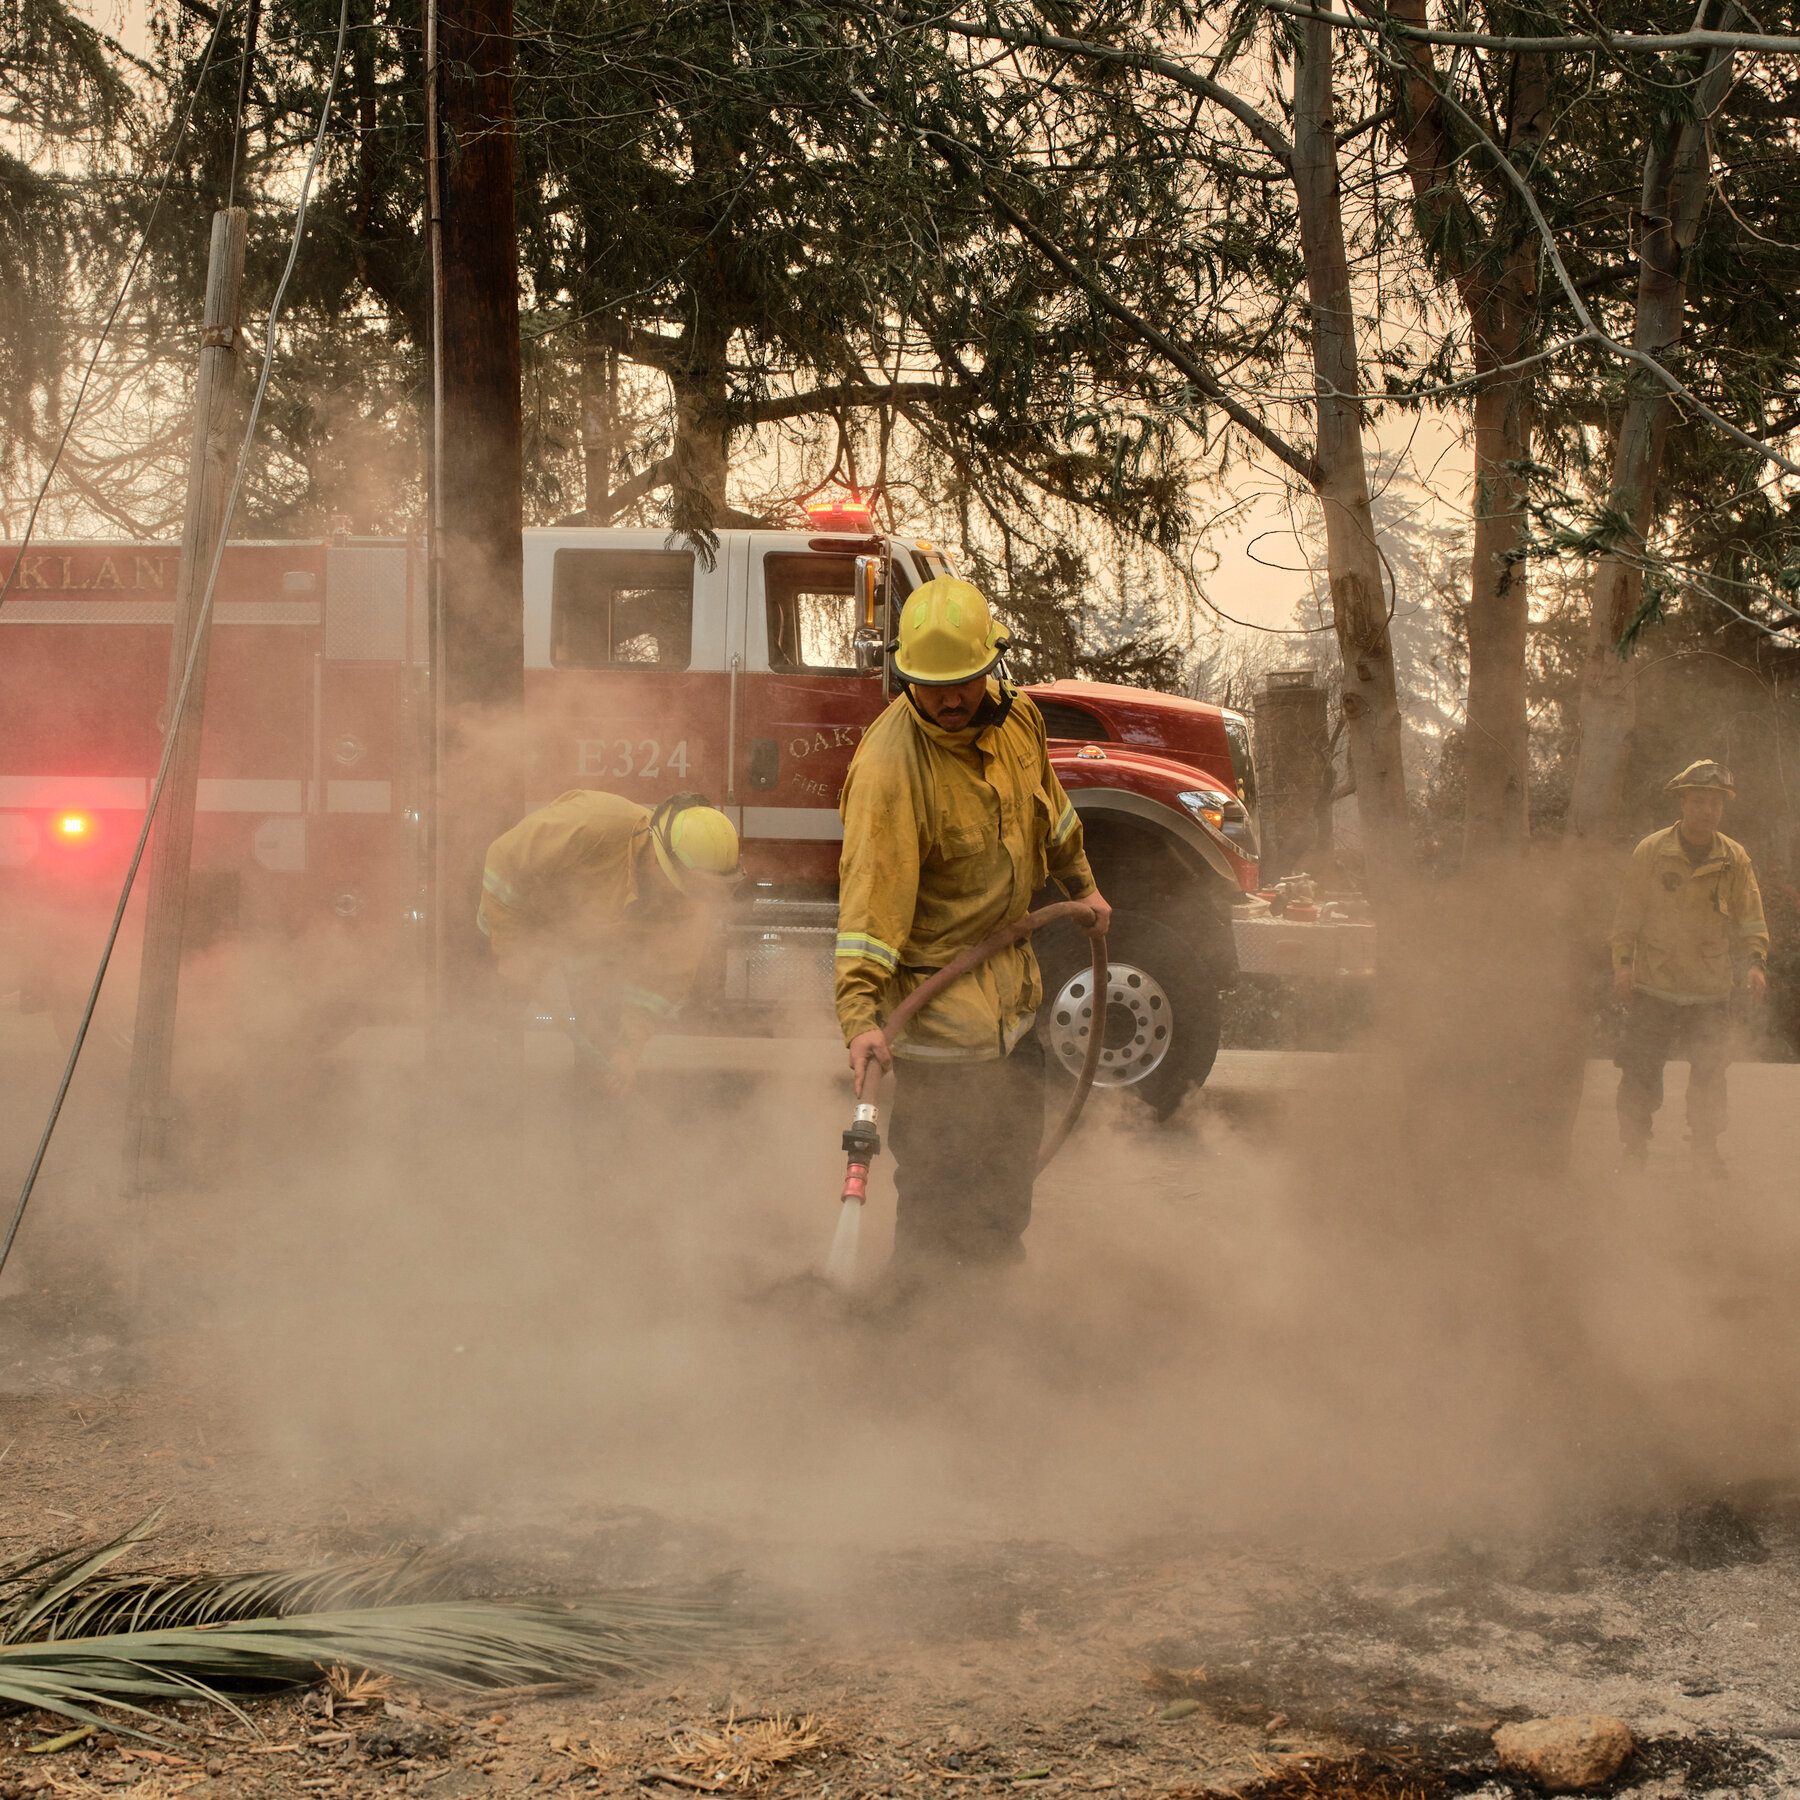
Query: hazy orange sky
[{"x": 1261, "y": 571}]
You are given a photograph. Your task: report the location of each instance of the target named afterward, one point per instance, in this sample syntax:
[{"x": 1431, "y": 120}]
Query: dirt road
[{"x": 1276, "y": 1454}]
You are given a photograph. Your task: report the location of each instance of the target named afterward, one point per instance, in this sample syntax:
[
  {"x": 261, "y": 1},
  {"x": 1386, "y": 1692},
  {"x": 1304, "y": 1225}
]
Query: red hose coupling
[{"x": 862, "y": 1144}]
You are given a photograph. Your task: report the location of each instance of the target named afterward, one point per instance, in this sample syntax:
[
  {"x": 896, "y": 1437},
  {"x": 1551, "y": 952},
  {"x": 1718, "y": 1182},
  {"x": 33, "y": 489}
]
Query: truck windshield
[{"x": 1243, "y": 767}]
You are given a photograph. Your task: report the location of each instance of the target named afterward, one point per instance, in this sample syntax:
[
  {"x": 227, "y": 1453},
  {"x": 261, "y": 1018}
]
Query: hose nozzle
[{"x": 862, "y": 1141}]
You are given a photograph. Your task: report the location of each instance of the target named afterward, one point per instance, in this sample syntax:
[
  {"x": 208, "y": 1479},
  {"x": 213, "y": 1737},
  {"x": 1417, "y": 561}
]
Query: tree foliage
[{"x": 64, "y": 107}]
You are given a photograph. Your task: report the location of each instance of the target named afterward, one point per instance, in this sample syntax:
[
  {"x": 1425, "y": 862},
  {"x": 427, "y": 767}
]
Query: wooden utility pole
[
  {"x": 478, "y": 655},
  {"x": 210, "y": 464}
]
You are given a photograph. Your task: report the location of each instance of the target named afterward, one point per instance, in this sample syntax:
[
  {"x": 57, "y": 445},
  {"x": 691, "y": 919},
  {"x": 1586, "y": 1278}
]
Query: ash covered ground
[{"x": 1278, "y": 1470}]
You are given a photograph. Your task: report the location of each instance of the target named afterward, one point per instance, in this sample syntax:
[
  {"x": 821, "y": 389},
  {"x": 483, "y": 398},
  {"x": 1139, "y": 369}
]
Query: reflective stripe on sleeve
[
  {"x": 1065, "y": 824},
  {"x": 858, "y": 946}
]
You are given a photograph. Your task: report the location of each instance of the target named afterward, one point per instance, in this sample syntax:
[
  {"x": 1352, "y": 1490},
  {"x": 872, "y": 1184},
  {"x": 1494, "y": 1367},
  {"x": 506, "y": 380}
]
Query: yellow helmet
[
  {"x": 1702, "y": 774},
  {"x": 696, "y": 845},
  {"x": 947, "y": 635}
]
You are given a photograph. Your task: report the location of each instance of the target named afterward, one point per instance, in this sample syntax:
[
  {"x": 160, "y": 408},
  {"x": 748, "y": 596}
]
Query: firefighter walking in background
[
  {"x": 619, "y": 897},
  {"x": 953, "y": 817},
  {"x": 1689, "y": 916}
]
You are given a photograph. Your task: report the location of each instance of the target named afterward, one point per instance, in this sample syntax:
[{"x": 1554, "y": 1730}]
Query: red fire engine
[{"x": 749, "y": 676}]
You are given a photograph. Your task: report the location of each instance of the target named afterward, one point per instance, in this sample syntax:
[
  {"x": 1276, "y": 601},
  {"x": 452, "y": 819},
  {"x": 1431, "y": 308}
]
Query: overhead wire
[{"x": 193, "y": 657}]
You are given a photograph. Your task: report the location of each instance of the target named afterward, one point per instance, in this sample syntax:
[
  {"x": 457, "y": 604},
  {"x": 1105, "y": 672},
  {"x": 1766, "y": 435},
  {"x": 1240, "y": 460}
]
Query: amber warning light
[
  {"x": 841, "y": 515},
  {"x": 73, "y": 828}
]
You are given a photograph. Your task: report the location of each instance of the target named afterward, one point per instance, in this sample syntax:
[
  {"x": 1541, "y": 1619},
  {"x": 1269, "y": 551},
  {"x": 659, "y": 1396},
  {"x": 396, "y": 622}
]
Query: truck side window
[
  {"x": 622, "y": 609},
  {"x": 812, "y": 612}
]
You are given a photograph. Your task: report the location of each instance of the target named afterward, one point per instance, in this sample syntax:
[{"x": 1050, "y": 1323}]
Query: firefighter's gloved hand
[
  {"x": 1102, "y": 913},
  {"x": 618, "y": 1074},
  {"x": 863, "y": 1046},
  {"x": 1756, "y": 981}
]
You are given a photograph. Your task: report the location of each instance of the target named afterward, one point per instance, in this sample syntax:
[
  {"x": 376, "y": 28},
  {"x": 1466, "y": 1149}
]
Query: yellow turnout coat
[
  {"x": 946, "y": 836},
  {"x": 1679, "y": 924},
  {"x": 563, "y": 884}
]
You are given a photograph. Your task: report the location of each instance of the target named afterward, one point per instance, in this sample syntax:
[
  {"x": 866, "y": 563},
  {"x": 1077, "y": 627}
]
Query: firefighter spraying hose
[
  {"x": 862, "y": 1139},
  {"x": 953, "y": 820}
]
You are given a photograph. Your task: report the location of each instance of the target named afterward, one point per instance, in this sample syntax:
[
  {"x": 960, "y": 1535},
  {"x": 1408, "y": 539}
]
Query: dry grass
[
  {"x": 353, "y": 1688},
  {"x": 744, "y": 1754}
]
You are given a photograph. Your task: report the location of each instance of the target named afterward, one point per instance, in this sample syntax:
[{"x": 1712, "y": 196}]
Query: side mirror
[{"x": 870, "y": 639}]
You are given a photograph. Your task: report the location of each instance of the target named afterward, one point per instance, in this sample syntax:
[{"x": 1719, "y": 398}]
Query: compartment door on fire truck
[
  {"x": 627, "y": 677},
  {"x": 804, "y": 706}
]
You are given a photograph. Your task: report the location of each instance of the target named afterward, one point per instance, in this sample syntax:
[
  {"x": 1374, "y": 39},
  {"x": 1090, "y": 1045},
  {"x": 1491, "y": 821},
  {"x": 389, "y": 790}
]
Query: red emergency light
[
  {"x": 841, "y": 515},
  {"x": 75, "y": 829}
]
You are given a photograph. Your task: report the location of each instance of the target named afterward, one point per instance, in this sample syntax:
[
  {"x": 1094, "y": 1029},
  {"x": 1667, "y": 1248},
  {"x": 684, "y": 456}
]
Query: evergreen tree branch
[
  {"x": 1260, "y": 126},
  {"x": 843, "y": 393},
  {"x": 964, "y": 158}
]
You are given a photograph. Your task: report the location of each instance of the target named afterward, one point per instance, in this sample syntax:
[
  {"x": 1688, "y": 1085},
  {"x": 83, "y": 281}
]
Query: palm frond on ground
[
  {"x": 73, "y": 1594},
  {"x": 75, "y": 1638}
]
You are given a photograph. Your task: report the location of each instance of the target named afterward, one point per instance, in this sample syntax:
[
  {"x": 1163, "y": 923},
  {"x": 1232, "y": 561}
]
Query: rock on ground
[{"x": 1580, "y": 1750}]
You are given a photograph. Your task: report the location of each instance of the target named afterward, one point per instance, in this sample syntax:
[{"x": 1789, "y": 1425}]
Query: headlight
[{"x": 1213, "y": 805}]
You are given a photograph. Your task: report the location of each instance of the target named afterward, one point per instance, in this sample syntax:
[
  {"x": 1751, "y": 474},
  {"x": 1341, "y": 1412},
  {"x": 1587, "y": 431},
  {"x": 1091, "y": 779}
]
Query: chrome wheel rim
[{"x": 1139, "y": 1022}]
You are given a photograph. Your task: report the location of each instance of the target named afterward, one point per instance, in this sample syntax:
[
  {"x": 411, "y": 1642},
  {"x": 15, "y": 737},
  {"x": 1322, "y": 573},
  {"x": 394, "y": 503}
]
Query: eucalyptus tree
[
  {"x": 1477, "y": 234},
  {"x": 1566, "y": 197},
  {"x": 1244, "y": 321},
  {"x": 1715, "y": 298}
]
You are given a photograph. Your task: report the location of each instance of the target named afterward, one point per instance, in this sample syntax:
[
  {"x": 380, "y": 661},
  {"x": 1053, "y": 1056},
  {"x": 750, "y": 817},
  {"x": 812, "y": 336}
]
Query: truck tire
[{"x": 1162, "y": 1017}]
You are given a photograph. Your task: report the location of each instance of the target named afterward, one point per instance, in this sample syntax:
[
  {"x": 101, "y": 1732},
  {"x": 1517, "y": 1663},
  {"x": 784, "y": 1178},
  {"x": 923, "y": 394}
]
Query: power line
[{"x": 187, "y": 677}]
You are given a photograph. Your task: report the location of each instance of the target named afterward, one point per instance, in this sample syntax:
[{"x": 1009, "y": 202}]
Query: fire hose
[{"x": 862, "y": 1140}]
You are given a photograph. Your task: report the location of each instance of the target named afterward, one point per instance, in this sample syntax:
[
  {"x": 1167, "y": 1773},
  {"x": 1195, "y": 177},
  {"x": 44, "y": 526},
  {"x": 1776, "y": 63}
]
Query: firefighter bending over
[
  {"x": 1689, "y": 913},
  {"x": 952, "y": 818},
  {"x": 617, "y": 895}
]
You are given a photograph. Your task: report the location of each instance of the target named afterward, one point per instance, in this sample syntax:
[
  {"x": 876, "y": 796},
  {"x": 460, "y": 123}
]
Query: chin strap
[{"x": 989, "y": 712}]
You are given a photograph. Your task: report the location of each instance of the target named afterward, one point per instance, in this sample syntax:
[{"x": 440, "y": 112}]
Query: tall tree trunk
[
  {"x": 479, "y": 656},
  {"x": 702, "y": 393},
  {"x": 1501, "y": 305},
  {"x": 701, "y": 378},
  {"x": 1353, "y": 564},
  {"x": 599, "y": 425},
  {"x": 1496, "y": 815},
  {"x": 1676, "y": 183}
]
